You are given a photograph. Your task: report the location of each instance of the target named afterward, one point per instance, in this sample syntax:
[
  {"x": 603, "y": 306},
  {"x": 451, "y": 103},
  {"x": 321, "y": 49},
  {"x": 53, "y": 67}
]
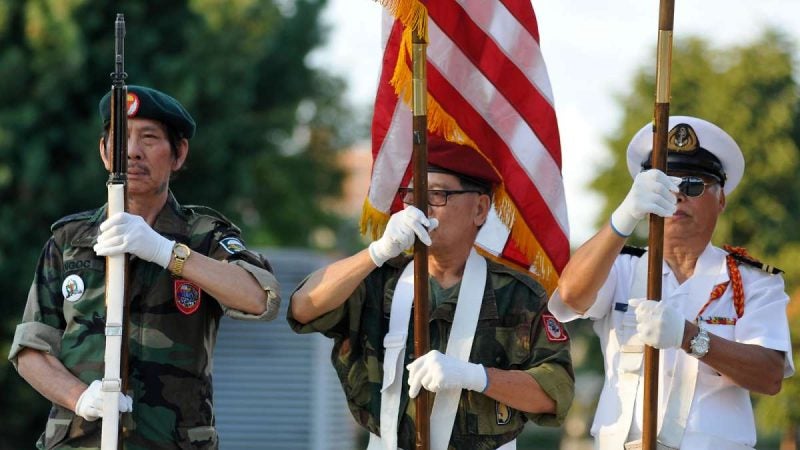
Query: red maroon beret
[{"x": 460, "y": 160}]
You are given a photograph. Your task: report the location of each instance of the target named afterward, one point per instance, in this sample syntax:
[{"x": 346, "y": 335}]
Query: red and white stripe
[{"x": 485, "y": 69}]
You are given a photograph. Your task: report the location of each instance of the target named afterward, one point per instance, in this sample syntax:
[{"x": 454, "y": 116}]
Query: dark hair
[{"x": 470, "y": 184}]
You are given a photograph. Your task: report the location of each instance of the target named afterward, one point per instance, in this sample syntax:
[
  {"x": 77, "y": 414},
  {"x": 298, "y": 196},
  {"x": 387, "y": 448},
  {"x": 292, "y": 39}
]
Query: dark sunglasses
[{"x": 693, "y": 186}]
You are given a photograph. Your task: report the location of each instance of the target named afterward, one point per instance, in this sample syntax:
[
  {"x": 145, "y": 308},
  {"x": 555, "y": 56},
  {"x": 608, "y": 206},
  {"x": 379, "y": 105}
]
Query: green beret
[{"x": 152, "y": 104}]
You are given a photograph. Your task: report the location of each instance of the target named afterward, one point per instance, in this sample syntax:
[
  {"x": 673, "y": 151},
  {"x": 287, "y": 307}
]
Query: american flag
[{"x": 487, "y": 88}]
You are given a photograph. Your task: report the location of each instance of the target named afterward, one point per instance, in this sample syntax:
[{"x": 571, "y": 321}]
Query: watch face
[
  {"x": 700, "y": 344},
  {"x": 181, "y": 251}
]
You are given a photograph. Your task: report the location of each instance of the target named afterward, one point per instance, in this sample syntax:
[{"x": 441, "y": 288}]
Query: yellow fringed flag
[{"x": 488, "y": 89}]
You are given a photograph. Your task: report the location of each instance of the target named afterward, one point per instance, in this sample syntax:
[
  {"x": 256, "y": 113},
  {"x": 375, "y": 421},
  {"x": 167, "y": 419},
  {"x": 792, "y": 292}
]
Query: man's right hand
[
  {"x": 399, "y": 234},
  {"x": 128, "y": 233},
  {"x": 653, "y": 192},
  {"x": 90, "y": 403}
]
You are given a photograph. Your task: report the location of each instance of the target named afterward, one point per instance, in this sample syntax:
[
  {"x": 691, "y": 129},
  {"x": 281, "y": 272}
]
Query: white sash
[
  {"x": 394, "y": 344},
  {"x": 468, "y": 308},
  {"x": 459, "y": 345},
  {"x": 630, "y": 366}
]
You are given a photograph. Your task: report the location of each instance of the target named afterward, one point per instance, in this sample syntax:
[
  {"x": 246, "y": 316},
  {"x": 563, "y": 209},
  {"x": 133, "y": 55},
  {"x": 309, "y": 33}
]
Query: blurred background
[{"x": 281, "y": 91}]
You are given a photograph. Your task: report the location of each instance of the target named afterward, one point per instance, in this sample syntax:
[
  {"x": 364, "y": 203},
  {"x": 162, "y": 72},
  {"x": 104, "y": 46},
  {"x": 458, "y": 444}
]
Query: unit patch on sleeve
[
  {"x": 187, "y": 296},
  {"x": 232, "y": 245},
  {"x": 502, "y": 413},
  {"x": 554, "y": 329}
]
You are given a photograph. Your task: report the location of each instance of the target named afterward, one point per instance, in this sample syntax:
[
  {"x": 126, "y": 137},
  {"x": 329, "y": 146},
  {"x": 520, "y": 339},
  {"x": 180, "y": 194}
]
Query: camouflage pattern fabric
[
  {"x": 514, "y": 331},
  {"x": 173, "y": 328}
]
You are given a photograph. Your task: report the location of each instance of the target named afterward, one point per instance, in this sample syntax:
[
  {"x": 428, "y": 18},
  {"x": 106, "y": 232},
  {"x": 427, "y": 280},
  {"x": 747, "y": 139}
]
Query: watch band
[{"x": 180, "y": 253}]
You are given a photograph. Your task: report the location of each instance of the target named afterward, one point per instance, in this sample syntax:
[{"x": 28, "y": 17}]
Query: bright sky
[{"x": 592, "y": 49}]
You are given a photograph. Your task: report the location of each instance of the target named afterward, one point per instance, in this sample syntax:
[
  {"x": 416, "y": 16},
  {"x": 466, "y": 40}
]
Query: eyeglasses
[
  {"x": 693, "y": 186},
  {"x": 436, "y": 197}
]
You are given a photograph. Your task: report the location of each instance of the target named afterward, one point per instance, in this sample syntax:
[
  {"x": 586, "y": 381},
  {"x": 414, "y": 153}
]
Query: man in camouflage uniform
[
  {"x": 188, "y": 266},
  {"x": 519, "y": 365}
]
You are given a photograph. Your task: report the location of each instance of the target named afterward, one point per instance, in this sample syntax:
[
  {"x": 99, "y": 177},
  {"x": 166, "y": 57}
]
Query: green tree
[
  {"x": 750, "y": 92},
  {"x": 264, "y": 154}
]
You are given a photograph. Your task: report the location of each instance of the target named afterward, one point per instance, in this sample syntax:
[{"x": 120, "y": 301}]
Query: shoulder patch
[
  {"x": 750, "y": 261},
  {"x": 554, "y": 329},
  {"x": 232, "y": 245},
  {"x": 634, "y": 251}
]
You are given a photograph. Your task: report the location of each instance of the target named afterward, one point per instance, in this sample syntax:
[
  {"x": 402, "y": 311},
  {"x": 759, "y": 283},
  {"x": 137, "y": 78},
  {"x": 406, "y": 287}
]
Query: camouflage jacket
[
  {"x": 172, "y": 327},
  {"x": 514, "y": 331}
]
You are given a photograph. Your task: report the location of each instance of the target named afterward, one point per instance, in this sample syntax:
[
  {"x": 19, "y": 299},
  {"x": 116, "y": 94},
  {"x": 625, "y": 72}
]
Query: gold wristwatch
[{"x": 180, "y": 253}]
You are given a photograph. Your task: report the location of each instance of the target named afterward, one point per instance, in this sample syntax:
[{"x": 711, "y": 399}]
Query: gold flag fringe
[
  {"x": 373, "y": 220},
  {"x": 411, "y": 13}
]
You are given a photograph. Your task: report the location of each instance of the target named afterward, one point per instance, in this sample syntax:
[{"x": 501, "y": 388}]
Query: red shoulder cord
[{"x": 735, "y": 278}]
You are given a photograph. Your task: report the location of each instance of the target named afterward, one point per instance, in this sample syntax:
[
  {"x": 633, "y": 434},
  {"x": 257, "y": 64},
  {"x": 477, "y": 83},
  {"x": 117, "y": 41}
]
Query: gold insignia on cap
[{"x": 682, "y": 139}]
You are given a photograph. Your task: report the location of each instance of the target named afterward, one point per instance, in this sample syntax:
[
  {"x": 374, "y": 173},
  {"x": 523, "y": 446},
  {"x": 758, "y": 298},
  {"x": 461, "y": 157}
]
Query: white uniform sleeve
[
  {"x": 600, "y": 307},
  {"x": 764, "y": 321}
]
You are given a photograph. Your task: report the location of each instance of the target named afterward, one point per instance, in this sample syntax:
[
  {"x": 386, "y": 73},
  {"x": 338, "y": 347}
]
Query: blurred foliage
[
  {"x": 269, "y": 127},
  {"x": 750, "y": 91}
]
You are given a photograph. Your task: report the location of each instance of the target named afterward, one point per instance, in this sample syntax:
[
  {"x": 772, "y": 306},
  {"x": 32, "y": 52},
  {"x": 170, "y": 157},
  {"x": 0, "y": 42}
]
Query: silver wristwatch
[{"x": 700, "y": 344}]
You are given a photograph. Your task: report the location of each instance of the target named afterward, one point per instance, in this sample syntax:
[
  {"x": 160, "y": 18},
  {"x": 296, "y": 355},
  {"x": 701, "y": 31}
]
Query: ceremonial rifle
[
  {"x": 666, "y": 15},
  {"x": 419, "y": 108},
  {"x": 116, "y": 266}
]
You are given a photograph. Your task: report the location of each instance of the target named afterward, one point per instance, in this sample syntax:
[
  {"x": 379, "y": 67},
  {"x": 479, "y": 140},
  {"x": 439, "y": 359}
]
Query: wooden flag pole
[
  {"x": 420, "y": 160},
  {"x": 656, "y": 237}
]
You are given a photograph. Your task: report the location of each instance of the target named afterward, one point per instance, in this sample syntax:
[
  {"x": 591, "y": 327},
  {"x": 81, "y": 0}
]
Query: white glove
[
  {"x": 658, "y": 324},
  {"x": 399, "y": 234},
  {"x": 128, "y": 233},
  {"x": 652, "y": 192},
  {"x": 435, "y": 371},
  {"x": 90, "y": 403}
]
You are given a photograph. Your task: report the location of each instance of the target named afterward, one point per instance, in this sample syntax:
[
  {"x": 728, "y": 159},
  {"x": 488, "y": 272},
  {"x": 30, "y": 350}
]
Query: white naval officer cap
[{"x": 694, "y": 146}]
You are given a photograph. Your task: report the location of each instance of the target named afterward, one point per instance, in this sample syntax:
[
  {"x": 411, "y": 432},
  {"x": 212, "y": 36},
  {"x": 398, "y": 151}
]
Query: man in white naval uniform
[{"x": 721, "y": 324}]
